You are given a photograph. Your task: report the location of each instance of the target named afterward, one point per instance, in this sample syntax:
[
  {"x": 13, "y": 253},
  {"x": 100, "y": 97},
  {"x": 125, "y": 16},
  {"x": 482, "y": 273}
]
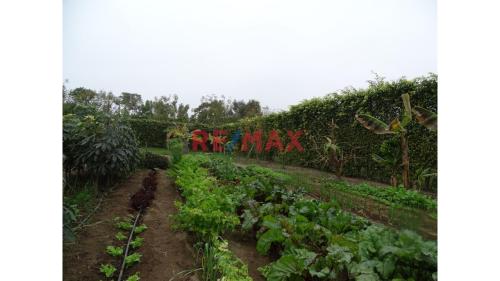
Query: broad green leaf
[
  {"x": 265, "y": 241},
  {"x": 284, "y": 268}
]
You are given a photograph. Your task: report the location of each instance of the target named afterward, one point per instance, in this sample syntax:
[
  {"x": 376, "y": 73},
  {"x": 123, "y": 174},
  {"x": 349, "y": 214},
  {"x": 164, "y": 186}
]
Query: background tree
[
  {"x": 146, "y": 109},
  {"x": 242, "y": 109},
  {"x": 168, "y": 108},
  {"x": 212, "y": 110},
  {"x": 83, "y": 96},
  {"x": 130, "y": 103}
]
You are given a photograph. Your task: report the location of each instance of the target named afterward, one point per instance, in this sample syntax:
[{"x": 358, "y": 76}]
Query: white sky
[{"x": 278, "y": 52}]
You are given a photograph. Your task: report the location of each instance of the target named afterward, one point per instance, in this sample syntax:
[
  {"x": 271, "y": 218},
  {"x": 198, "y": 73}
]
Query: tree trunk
[
  {"x": 339, "y": 169},
  {"x": 406, "y": 161},
  {"x": 394, "y": 181}
]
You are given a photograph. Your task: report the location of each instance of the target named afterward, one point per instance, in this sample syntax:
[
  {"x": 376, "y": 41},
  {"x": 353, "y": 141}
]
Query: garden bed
[{"x": 165, "y": 251}]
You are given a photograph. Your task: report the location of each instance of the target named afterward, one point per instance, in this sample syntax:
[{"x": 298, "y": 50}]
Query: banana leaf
[
  {"x": 407, "y": 113},
  {"x": 373, "y": 124},
  {"x": 426, "y": 118}
]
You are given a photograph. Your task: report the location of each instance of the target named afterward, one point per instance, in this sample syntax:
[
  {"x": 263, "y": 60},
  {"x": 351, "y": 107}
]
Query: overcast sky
[{"x": 278, "y": 52}]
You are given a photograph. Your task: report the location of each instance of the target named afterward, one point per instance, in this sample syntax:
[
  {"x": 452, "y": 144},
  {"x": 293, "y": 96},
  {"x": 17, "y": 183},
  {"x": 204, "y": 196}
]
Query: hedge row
[
  {"x": 149, "y": 132},
  {"x": 381, "y": 99}
]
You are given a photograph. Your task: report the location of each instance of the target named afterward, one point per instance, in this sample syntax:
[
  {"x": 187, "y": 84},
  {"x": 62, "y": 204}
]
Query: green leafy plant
[
  {"x": 134, "y": 277},
  {"x": 137, "y": 242},
  {"x": 424, "y": 178},
  {"x": 133, "y": 258},
  {"x": 120, "y": 236},
  {"x": 108, "y": 270},
  {"x": 124, "y": 225},
  {"x": 390, "y": 196},
  {"x": 140, "y": 229},
  {"x": 101, "y": 146},
  {"x": 114, "y": 251},
  {"x": 395, "y": 127},
  {"x": 70, "y": 216},
  {"x": 389, "y": 156}
]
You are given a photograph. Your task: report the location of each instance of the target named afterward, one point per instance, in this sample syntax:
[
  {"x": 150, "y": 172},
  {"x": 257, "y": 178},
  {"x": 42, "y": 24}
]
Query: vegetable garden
[{"x": 357, "y": 202}]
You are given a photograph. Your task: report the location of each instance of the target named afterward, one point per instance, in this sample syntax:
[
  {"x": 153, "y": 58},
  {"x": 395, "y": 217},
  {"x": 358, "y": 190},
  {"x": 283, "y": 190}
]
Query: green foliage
[
  {"x": 120, "y": 236},
  {"x": 390, "y": 255},
  {"x": 114, "y": 251},
  {"x": 318, "y": 241},
  {"x": 425, "y": 178},
  {"x": 176, "y": 149},
  {"x": 132, "y": 259},
  {"x": 70, "y": 216},
  {"x": 134, "y": 277},
  {"x": 140, "y": 229},
  {"x": 218, "y": 261},
  {"x": 137, "y": 242},
  {"x": 291, "y": 266},
  {"x": 389, "y": 195},
  {"x": 389, "y": 156},
  {"x": 150, "y": 132},
  {"x": 102, "y": 147},
  {"x": 108, "y": 270},
  {"x": 152, "y": 160},
  {"x": 382, "y": 99},
  {"x": 124, "y": 225},
  {"x": 207, "y": 210}
]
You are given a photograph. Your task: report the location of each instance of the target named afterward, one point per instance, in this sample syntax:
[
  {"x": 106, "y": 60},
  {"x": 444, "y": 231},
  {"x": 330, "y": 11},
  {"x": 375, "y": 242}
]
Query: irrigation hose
[{"x": 122, "y": 269}]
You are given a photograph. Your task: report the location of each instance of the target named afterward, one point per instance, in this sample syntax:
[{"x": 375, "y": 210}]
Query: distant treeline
[{"x": 212, "y": 110}]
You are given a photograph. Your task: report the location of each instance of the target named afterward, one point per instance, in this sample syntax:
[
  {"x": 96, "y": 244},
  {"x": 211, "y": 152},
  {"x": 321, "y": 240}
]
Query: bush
[
  {"x": 151, "y": 160},
  {"x": 176, "y": 147},
  {"x": 98, "y": 147},
  {"x": 150, "y": 132}
]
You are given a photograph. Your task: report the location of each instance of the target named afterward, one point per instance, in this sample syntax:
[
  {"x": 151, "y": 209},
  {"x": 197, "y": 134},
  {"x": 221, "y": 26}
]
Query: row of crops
[
  {"x": 125, "y": 255},
  {"x": 307, "y": 239}
]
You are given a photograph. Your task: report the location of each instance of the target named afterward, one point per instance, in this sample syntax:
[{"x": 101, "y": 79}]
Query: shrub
[
  {"x": 151, "y": 160},
  {"x": 150, "y": 132},
  {"x": 100, "y": 147},
  {"x": 176, "y": 147}
]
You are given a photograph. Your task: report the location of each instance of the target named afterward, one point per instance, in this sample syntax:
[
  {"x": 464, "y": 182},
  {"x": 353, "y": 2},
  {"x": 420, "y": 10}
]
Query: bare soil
[
  {"x": 165, "y": 251},
  {"x": 244, "y": 247}
]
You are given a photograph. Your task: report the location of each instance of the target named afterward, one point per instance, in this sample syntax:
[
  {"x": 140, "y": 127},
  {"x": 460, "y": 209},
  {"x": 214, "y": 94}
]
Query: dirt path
[
  {"x": 245, "y": 249},
  {"x": 165, "y": 252}
]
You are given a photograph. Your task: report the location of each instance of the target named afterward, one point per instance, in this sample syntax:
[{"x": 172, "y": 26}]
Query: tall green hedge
[
  {"x": 150, "y": 132},
  {"x": 381, "y": 99}
]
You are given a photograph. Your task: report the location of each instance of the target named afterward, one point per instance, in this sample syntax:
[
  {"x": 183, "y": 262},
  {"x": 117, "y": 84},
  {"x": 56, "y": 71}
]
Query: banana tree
[
  {"x": 330, "y": 153},
  {"x": 396, "y": 127},
  {"x": 423, "y": 116},
  {"x": 389, "y": 156}
]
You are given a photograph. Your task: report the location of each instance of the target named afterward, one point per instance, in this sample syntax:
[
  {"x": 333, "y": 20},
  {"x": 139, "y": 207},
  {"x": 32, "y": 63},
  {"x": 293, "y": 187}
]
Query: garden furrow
[{"x": 164, "y": 252}]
